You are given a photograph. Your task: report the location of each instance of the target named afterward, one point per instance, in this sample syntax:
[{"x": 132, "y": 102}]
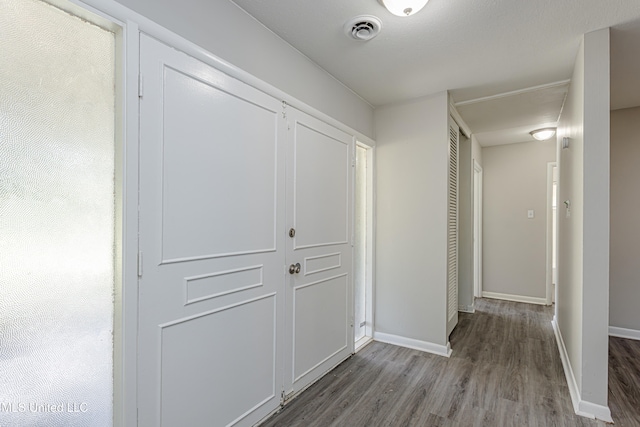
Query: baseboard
[
  {"x": 594, "y": 411},
  {"x": 425, "y": 346},
  {"x": 581, "y": 407},
  {"x": 362, "y": 343},
  {"x": 631, "y": 334},
  {"x": 515, "y": 298},
  {"x": 467, "y": 308}
]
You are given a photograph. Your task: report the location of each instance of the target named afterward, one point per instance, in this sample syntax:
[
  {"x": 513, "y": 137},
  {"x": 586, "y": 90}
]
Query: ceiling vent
[{"x": 363, "y": 28}]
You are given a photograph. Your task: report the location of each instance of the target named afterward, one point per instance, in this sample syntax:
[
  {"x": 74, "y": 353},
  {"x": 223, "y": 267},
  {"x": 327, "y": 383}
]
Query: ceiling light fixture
[
  {"x": 403, "y": 7},
  {"x": 543, "y": 134}
]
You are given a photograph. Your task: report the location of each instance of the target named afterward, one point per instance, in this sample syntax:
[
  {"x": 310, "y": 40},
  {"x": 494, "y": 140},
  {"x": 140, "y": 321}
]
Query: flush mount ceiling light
[
  {"x": 403, "y": 7},
  {"x": 543, "y": 134}
]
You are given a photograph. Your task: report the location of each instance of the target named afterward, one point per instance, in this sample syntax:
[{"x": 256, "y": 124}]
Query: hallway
[{"x": 505, "y": 371}]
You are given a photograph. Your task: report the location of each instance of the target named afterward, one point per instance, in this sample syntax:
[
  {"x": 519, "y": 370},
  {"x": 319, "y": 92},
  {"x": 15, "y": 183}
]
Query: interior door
[
  {"x": 212, "y": 230},
  {"x": 452, "y": 228},
  {"x": 319, "y": 315}
]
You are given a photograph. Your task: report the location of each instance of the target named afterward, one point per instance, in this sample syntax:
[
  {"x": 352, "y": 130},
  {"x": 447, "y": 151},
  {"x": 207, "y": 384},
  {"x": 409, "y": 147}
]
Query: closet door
[
  {"x": 319, "y": 314},
  {"x": 212, "y": 241},
  {"x": 452, "y": 229}
]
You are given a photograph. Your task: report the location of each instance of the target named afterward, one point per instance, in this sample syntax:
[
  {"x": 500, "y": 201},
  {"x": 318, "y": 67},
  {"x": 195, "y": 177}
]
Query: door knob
[{"x": 294, "y": 268}]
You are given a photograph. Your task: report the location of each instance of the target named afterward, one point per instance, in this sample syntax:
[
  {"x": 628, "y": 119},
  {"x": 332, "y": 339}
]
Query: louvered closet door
[
  {"x": 452, "y": 229},
  {"x": 211, "y": 296}
]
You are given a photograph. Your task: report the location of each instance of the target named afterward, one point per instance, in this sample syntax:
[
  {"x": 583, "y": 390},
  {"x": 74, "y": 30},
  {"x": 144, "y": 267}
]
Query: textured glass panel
[
  {"x": 360, "y": 247},
  {"x": 56, "y": 218}
]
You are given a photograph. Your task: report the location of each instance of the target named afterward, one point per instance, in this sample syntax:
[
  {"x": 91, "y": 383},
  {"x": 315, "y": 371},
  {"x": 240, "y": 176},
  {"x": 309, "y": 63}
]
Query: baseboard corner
[
  {"x": 428, "y": 347},
  {"x": 580, "y": 407}
]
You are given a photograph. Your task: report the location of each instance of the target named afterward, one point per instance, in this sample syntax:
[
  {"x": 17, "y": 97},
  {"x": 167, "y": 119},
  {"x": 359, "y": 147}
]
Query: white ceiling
[
  {"x": 508, "y": 118},
  {"x": 475, "y": 49}
]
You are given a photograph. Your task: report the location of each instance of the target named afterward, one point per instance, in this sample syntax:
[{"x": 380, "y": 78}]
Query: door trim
[
  {"x": 370, "y": 250},
  {"x": 477, "y": 229},
  {"x": 550, "y": 236}
]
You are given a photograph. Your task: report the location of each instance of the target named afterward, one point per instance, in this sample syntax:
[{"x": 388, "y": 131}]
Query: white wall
[
  {"x": 515, "y": 181},
  {"x": 411, "y": 260},
  {"x": 624, "y": 274},
  {"x": 582, "y": 304},
  {"x": 228, "y": 32}
]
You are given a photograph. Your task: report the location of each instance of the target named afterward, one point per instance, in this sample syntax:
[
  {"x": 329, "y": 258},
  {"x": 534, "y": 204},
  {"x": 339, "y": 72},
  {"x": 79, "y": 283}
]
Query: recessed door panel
[
  {"x": 198, "y": 354},
  {"x": 321, "y": 187},
  {"x": 320, "y": 306},
  {"x": 218, "y": 171}
]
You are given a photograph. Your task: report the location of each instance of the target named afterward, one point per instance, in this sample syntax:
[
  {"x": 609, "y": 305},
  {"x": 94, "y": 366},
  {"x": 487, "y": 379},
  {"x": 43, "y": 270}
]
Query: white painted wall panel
[
  {"x": 595, "y": 318},
  {"x": 583, "y": 236},
  {"x": 625, "y": 231},
  {"x": 411, "y": 258},
  {"x": 515, "y": 181}
]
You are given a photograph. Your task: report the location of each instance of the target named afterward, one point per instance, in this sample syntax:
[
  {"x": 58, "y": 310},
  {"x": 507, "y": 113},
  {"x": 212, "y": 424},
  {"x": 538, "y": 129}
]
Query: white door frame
[
  {"x": 550, "y": 236},
  {"x": 477, "y": 229},
  {"x": 370, "y": 255}
]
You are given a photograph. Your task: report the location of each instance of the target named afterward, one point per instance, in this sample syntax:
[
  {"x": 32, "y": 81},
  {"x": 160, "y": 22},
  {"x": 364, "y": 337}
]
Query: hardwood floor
[
  {"x": 624, "y": 381},
  {"x": 505, "y": 371}
]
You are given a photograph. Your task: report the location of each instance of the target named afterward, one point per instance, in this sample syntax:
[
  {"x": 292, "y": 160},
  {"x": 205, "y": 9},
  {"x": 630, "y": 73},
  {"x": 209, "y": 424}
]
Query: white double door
[{"x": 226, "y": 172}]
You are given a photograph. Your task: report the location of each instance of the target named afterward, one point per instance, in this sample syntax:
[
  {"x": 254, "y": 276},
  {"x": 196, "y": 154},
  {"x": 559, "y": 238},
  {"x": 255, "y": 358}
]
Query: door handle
[{"x": 294, "y": 268}]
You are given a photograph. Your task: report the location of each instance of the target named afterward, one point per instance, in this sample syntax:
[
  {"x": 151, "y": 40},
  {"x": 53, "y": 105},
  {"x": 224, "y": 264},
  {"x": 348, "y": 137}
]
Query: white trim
[
  {"x": 550, "y": 237},
  {"x": 630, "y": 334},
  {"x": 362, "y": 343},
  {"x": 428, "y": 347},
  {"x": 477, "y": 229},
  {"x": 467, "y": 308},
  {"x": 455, "y": 115},
  {"x": 594, "y": 411},
  {"x": 515, "y": 298},
  {"x": 566, "y": 365},
  {"x": 581, "y": 407},
  {"x": 514, "y": 92}
]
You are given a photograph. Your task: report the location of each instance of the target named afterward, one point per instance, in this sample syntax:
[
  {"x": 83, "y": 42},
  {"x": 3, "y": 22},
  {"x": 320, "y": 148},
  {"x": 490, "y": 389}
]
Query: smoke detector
[{"x": 363, "y": 27}]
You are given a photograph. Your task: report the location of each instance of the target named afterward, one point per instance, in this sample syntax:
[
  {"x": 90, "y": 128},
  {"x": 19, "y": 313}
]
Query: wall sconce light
[
  {"x": 403, "y": 7},
  {"x": 543, "y": 134},
  {"x": 565, "y": 142}
]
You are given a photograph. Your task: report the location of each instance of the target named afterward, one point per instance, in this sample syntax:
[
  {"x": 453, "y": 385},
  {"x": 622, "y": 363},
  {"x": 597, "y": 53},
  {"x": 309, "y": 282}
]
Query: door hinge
[
  {"x": 140, "y": 85},
  {"x": 140, "y": 264},
  {"x": 353, "y": 163},
  {"x": 284, "y": 397}
]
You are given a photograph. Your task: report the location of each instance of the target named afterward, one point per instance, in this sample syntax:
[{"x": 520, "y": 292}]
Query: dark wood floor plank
[
  {"x": 624, "y": 381},
  {"x": 505, "y": 371}
]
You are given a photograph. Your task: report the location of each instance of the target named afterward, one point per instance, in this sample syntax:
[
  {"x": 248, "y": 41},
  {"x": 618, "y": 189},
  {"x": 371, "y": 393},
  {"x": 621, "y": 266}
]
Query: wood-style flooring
[{"x": 505, "y": 371}]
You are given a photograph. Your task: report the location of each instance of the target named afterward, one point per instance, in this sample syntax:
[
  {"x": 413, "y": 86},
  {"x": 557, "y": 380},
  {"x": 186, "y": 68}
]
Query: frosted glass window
[
  {"x": 360, "y": 247},
  {"x": 56, "y": 218}
]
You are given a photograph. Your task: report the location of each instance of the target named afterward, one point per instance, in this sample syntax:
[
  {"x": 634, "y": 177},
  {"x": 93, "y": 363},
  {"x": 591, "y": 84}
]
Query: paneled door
[
  {"x": 212, "y": 241},
  {"x": 319, "y": 315}
]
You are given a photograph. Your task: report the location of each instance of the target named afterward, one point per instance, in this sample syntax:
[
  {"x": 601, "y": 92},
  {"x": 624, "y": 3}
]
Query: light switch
[{"x": 530, "y": 214}]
